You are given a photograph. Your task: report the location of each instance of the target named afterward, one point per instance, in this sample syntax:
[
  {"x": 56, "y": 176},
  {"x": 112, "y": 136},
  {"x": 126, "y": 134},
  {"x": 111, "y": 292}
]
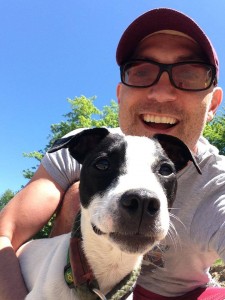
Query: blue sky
[{"x": 52, "y": 50}]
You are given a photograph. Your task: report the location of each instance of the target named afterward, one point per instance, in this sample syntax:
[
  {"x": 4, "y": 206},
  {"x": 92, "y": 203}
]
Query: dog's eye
[
  {"x": 102, "y": 164},
  {"x": 166, "y": 169}
]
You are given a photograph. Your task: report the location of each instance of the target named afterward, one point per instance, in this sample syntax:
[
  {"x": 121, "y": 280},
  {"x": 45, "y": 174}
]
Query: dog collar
[{"x": 79, "y": 276}]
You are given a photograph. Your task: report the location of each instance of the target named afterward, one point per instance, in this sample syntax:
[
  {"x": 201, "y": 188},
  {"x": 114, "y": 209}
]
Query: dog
[{"x": 127, "y": 186}]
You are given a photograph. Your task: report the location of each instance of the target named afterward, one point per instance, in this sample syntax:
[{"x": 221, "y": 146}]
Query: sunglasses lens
[
  {"x": 140, "y": 74},
  {"x": 194, "y": 76}
]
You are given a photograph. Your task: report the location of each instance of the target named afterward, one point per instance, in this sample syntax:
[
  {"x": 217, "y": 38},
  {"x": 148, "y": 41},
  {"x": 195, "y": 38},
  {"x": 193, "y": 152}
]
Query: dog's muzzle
[{"x": 136, "y": 221}]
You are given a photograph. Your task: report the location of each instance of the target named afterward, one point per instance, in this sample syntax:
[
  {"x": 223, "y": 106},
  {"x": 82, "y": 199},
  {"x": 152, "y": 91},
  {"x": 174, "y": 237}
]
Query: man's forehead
[
  {"x": 170, "y": 32},
  {"x": 169, "y": 41}
]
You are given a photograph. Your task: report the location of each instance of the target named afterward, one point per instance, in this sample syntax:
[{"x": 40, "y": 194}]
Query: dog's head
[{"x": 127, "y": 184}]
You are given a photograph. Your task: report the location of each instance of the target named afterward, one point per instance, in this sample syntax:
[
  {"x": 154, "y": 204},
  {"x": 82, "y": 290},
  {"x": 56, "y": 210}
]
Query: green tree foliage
[
  {"x": 215, "y": 132},
  {"x": 5, "y": 197},
  {"x": 83, "y": 114}
]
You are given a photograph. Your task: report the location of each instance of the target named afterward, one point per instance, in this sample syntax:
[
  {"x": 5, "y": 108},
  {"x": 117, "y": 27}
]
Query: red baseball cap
[{"x": 158, "y": 20}]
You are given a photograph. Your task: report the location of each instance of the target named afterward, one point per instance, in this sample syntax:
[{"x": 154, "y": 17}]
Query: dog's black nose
[{"x": 139, "y": 203}]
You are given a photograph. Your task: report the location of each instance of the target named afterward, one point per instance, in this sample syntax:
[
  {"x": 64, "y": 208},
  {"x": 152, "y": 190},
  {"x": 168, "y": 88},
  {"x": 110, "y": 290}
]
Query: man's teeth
[{"x": 158, "y": 119}]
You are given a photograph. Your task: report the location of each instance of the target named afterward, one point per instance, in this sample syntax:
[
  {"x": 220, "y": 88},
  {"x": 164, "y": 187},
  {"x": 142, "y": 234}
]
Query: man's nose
[{"x": 163, "y": 90}]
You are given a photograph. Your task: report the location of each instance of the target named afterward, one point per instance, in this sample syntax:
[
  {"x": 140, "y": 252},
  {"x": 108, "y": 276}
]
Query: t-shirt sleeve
[
  {"x": 217, "y": 226},
  {"x": 208, "y": 228},
  {"x": 62, "y": 167}
]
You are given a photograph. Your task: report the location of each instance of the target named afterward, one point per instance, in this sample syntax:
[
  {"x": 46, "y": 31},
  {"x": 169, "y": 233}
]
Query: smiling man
[
  {"x": 168, "y": 82},
  {"x": 169, "y": 73}
]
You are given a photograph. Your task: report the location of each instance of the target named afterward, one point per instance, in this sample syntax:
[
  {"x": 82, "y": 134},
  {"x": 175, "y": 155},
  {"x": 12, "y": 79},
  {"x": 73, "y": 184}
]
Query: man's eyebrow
[{"x": 191, "y": 57}]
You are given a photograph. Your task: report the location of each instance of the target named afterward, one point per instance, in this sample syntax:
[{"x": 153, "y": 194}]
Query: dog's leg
[{"x": 67, "y": 211}]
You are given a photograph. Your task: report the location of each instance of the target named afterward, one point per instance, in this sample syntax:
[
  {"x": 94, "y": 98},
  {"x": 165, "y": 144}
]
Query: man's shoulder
[{"x": 209, "y": 154}]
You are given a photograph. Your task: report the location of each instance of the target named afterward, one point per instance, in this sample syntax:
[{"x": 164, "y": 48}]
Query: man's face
[{"x": 162, "y": 108}]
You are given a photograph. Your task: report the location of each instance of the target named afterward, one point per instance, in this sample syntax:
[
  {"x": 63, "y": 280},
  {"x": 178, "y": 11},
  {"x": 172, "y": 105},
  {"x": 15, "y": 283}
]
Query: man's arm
[
  {"x": 12, "y": 285},
  {"x": 22, "y": 217},
  {"x": 66, "y": 212}
]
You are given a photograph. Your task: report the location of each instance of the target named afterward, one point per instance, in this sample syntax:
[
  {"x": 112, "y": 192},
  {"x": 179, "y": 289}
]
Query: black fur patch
[{"x": 102, "y": 167}]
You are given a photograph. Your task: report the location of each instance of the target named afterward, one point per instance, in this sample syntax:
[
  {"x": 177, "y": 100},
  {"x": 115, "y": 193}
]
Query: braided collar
[{"x": 79, "y": 276}]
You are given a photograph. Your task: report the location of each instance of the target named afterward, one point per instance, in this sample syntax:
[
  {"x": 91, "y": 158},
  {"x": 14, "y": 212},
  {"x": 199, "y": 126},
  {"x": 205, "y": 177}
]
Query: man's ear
[
  {"x": 82, "y": 143},
  {"x": 118, "y": 89},
  {"x": 177, "y": 151},
  {"x": 217, "y": 96}
]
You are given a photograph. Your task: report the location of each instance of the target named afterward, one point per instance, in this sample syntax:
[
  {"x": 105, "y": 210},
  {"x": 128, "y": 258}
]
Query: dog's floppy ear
[
  {"x": 177, "y": 151},
  {"x": 81, "y": 143}
]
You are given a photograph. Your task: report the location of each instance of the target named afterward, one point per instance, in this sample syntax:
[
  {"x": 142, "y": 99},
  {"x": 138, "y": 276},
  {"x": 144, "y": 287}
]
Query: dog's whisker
[
  {"x": 158, "y": 247},
  {"x": 173, "y": 235},
  {"x": 177, "y": 219}
]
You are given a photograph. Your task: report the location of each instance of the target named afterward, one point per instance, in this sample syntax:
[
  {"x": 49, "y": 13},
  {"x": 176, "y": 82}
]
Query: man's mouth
[{"x": 159, "y": 122}]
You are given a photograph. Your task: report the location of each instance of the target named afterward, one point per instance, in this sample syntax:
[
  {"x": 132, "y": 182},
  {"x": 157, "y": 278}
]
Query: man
[{"x": 169, "y": 72}]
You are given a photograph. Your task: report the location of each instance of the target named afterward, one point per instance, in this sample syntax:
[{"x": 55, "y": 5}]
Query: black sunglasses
[{"x": 186, "y": 76}]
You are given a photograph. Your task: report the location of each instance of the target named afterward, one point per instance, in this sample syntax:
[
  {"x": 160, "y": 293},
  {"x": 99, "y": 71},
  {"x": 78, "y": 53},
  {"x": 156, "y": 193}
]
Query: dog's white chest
[{"x": 42, "y": 263}]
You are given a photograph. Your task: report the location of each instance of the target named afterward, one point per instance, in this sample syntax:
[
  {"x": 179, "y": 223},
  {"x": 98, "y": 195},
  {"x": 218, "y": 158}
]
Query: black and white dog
[{"x": 127, "y": 185}]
